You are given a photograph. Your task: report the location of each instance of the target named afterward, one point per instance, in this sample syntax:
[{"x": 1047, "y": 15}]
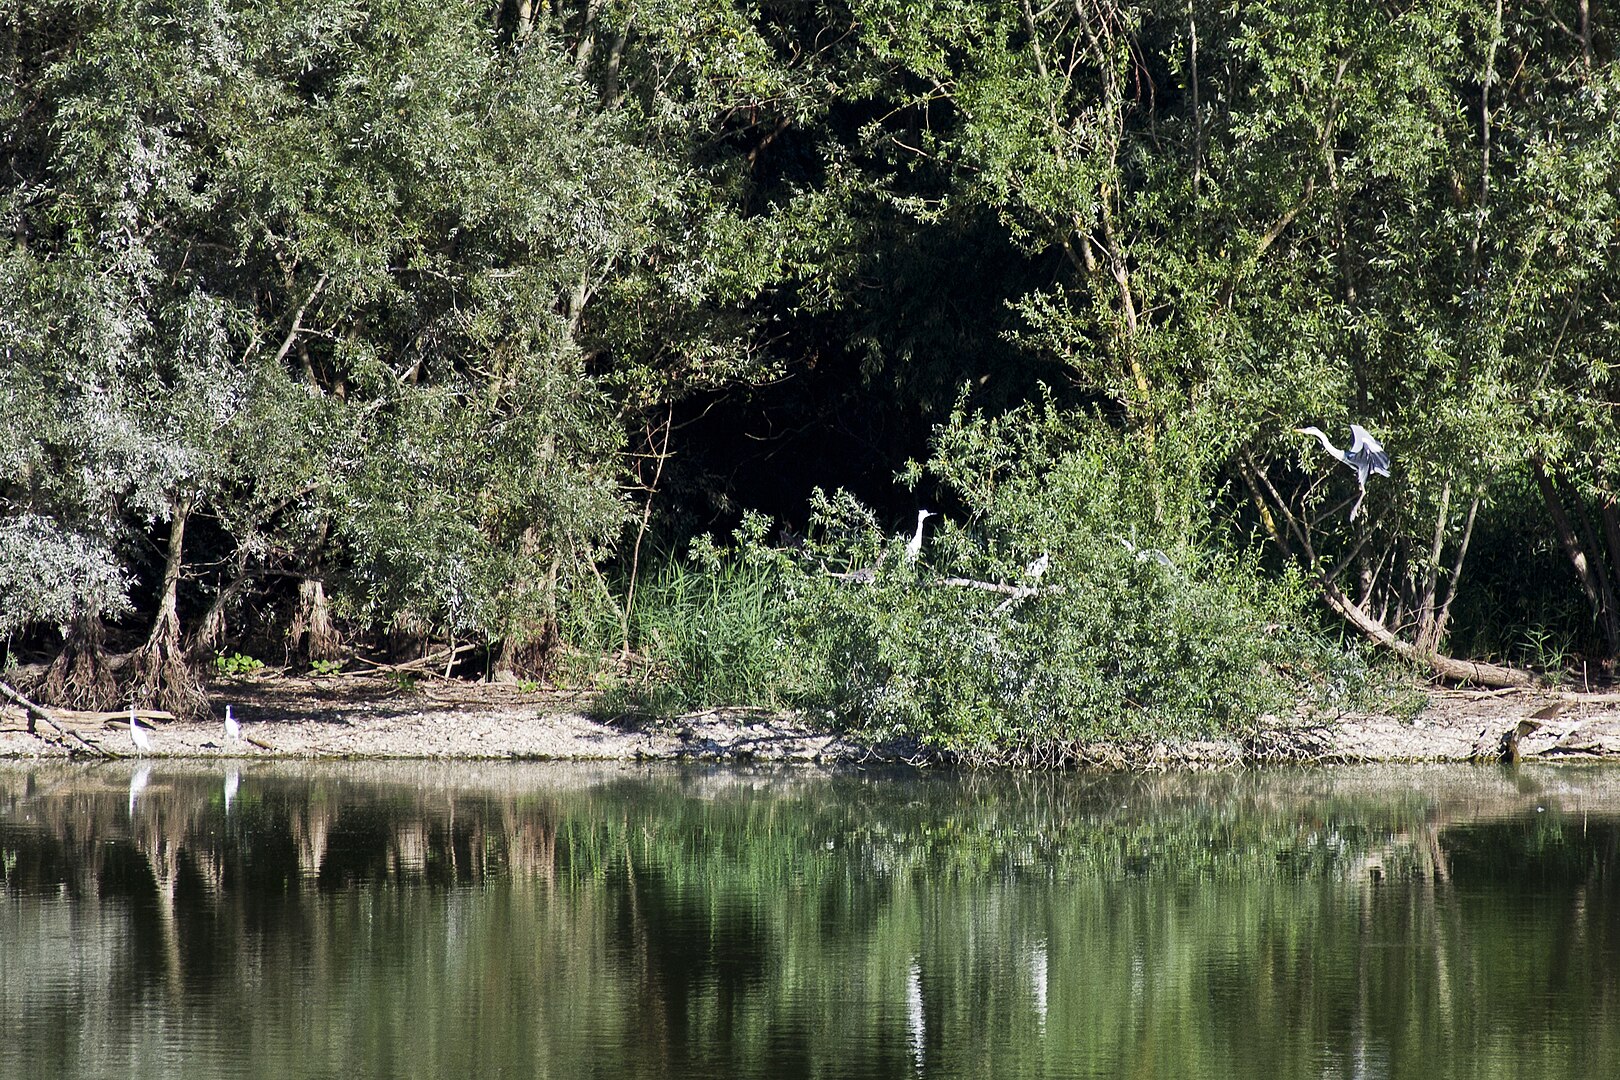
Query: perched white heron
[
  {"x": 143, "y": 741},
  {"x": 914, "y": 548},
  {"x": 1147, "y": 554},
  {"x": 1366, "y": 455},
  {"x": 868, "y": 574},
  {"x": 1033, "y": 572},
  {"x": 233, "y": 730}
]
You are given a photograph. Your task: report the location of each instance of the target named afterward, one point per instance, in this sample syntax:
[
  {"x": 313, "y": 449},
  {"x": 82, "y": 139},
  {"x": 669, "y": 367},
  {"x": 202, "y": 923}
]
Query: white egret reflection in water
[
  {"x": 1037, "y": 979},
  {"x": 137, "y": 784},
  {"x": 916, "y": 1023},
  {"x": 376, "y": 920}
]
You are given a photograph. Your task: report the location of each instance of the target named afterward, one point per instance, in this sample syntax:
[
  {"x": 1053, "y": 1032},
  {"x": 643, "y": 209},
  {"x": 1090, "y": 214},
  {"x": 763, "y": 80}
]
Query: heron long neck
[
  {"x": 916, "y": 539},
  {"x": 1327, "y": 444}
]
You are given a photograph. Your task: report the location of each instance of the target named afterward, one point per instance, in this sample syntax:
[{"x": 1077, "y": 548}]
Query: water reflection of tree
[{"x": 1277, "y": 914}]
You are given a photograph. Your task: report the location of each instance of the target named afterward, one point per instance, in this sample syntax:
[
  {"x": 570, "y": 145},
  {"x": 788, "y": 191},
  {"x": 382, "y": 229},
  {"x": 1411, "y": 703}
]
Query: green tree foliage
[
  {"x": 315, "y": 272},
  {"x": 396, "y": 317},
  {"x": 1273, "y": 215},
  {"x": 1127, "y": 630}
]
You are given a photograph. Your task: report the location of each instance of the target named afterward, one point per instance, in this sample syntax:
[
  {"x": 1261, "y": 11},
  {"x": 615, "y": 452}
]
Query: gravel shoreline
[{"x": 360, "y": 717}]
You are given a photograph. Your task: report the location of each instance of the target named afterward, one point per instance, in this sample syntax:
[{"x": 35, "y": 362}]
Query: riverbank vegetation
[{"x": 331, "y": 333}]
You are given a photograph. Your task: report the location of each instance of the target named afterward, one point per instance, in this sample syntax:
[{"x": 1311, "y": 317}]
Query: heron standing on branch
[
  {"x": 1366, "y": 455},
  {"x": 914, "y": 548},
  {"x": 868, "y": 574}
]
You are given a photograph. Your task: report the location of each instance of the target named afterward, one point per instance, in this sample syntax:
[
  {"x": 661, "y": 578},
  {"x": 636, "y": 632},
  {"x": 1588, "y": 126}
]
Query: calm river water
[{"x": 387, "y": 920}]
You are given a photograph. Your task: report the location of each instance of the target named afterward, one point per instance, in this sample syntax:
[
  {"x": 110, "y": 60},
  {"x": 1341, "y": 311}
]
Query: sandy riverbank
[{"x": 360, "y": 717}]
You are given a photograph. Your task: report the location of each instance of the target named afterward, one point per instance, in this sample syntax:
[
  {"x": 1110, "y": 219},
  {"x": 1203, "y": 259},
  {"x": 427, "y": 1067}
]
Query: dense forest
[{"x": 621, "y": 341}]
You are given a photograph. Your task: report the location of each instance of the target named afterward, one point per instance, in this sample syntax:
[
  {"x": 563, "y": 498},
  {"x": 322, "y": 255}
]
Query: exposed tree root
[
  {"x": 163, "y": 673},
  {"x": 312, "y": 631},
  {"x": 81, "y": 677},
  {"x": 165, "y": 679}
]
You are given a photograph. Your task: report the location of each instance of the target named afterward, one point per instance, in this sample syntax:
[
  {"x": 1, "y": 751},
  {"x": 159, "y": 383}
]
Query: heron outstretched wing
[{"x": 1366, "y": 452}]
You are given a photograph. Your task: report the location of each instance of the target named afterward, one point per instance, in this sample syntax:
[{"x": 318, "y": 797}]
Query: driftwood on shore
[
  {"x": 425, "y": 665},
  {"x": 35, "y": 712}
]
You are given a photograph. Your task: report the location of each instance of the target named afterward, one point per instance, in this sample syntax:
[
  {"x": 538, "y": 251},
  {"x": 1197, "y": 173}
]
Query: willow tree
[
  {"x": 305, "y": 273},
  {"x": 1468, "y": 229}
]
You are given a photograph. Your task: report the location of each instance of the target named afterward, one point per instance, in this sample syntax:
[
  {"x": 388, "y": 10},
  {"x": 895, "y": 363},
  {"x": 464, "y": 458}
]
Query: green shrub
[
  {"x": 1142, "y": 626},
  {"x": 236, "y": 665},
  {"x": 1111, "y": 647}
]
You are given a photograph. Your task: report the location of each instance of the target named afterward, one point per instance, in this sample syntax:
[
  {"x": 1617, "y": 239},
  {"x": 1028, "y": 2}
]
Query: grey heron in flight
[{"x": 1366, "y": 455}]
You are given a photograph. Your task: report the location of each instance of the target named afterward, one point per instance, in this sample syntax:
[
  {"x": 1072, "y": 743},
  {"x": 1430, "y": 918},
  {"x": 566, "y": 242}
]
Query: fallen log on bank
[{"x": 36, "y": 712}]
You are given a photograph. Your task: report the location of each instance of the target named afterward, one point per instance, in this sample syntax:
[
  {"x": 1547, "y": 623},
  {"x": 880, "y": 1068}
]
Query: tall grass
[{"x": 706, "y": 634}]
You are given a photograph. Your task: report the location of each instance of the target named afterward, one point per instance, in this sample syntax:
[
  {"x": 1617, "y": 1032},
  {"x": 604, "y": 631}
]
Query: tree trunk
[
  {"x": 610, "y": 80},
  {"x": 1428, "y": 637},
  {"x": 1375, "y": 629},
  {"x": 529, "y": 646},
  {"x": 1593, "y": 583},
  {"x": 1456, "y": 573},
  {"x": 209, "y": 633},
  {"x": 587, "y": 35},
  {"x": 163, "y": 673},
  {"x": 1446, "y": 667}
]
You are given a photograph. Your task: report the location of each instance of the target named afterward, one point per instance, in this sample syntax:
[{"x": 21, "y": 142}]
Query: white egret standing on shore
[
  {"x": 143, "y": 741},
  {"x": 233, "y": 730}
]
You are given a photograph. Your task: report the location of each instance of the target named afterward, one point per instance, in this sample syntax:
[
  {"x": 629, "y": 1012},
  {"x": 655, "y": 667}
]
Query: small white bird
[
  {"x": 143, "y": 741},
  {"x": 233, "y": 730},
  {"x": 1035, "y": 569},
  {"x": 914, "y": 548}
]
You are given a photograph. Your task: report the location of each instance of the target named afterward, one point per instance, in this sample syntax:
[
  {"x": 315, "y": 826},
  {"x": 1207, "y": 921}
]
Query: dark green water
[{"x": 568, "y": 921}]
